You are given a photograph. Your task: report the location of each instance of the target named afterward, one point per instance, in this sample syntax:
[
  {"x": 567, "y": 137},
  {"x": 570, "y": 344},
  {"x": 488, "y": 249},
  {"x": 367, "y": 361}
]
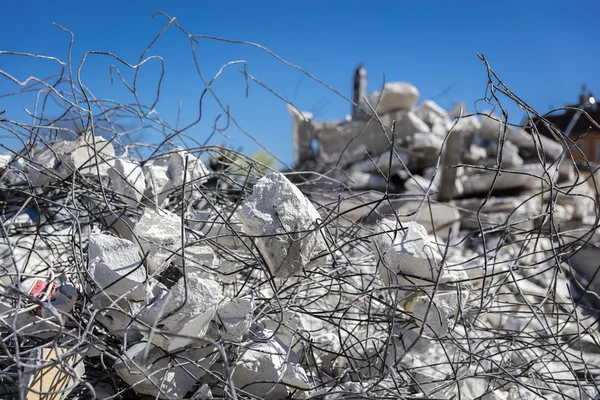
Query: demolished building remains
[{"x": 417, "y": 253}]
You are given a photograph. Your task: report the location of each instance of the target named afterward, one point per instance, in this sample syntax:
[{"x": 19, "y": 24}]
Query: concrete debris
[
  {"x": 159, "y": 233},
  {"x": 275, "y": 214},
  {"x": 88, "y": 155},
  {"x": 128, "y": 180},
  {"x": 461, "y": 266},
  {"x": 432, "y": 114},
  {"x": 406, "y": 258},
  {"x": 199, "y": 260},
  {"x": 235, "y": 317},
  {"x": 395, "y": 96},
  {"x": 157, "y": 182},
  {"x": 265, "y": 369},
  {"x": 219, "y": 225},
  {"x": 185, "y": 311},
  {"x": 156, "y": 373},
  {"x": 493, "y": 128},
  {"x": 116, "y": 267},
  {"x": 434, "y": 313},
  {"x": 195, "y": 174}
]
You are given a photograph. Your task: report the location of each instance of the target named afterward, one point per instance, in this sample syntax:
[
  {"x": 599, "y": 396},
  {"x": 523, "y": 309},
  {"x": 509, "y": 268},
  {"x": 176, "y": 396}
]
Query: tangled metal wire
[{"x": 523, "y": 325}]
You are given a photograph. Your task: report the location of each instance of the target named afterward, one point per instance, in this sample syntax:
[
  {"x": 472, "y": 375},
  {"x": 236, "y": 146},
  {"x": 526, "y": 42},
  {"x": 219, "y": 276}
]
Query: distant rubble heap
[
  {"x": 471, "y": 169},
  {"x": 134, "y": 278}
]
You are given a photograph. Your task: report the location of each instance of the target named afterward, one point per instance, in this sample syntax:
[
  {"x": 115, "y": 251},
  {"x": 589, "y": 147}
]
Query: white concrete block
[
  {"x": 492, "y": 128},
  {"x": 467, "y": 125},
  {"x": 443, "y": 307},
  {"x": 197, "y": 172},
  {"x": 396, "y": 96},
  {"x": 168, "y": 376},
  {"x": 407, "y": 124},
  {"x": 198, "y": 260},
  {"x": 60, "y": 159},
  {"x": 405, "y": 255},
  {"x": 217, "y": 225},
  {"x": 157, "y": 182},
  {"x": 431, "y": 113},
  {"x": 116, "y": 267},
  {"x": 510, "y": 155},
  {"x": 278, "y": 208},
  {"x": 192, "y": 303},
  {"x": 409, "y": 340},
  {"x": 264, "y": 368},
  {"x": 159, "y": 232},
  {"x": 235, "y": 317},
  {"x": 118, "y": 316},
  {"x": 127, "y": 179},
  {"x": 428, "y": 142}
]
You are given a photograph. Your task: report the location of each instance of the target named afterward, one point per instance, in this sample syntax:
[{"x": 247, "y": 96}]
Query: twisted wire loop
[{"x": 509, "y": 311}]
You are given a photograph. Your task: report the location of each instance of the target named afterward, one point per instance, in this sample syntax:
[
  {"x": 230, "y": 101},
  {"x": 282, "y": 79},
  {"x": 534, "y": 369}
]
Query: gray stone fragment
[
  {"x": 396, "y": 96},
  {"x": 406, "y": 256},
  {"x": 198, "y": 260},
  {"x": 430, "y": 113},
  {"x": 236, "y": 317},
  {"x": 159, "y": 232},
  {"x": 407, "y": 124},
  {"x": 127, "y": 179},
  {"x": 279, "y": 215},
  {"x": 434, "y": 315},
  {"x": 168, "y": 376},
  {"x": 492, "y": 128},
  {"x": 197, "y": 172},
  {"x": 63, "y": 158},
  {"x": 157, "y": 182},
  {"x": 264, "y": 368},
  {"x": 185, "y": 311},
  {"x": 116, "y": 267}
]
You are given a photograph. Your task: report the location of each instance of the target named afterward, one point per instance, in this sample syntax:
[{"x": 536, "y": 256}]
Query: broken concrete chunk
[
  {"x": 197, "y": 173},
  {"x": 345, "y": 143},
  {"x": 118, "y": 316},
  {"x": 430, "y": 113},
  {"x": 157, "y": 182},
  {"x": 435, "y": 318},
  {"x": 116, "y": 267},
  {"x": 492, "y": 128},
  {"x": 405, "y": 255},
  {"x": 236, "y": 317},
  {"x": 409, "y": 340},
  {"x": 198, "y": 260},
  {"x": 264, "y": 368},
  {"x": 510, "y": 154},
  {"x": 396, "y": 96},
  {"x": 407, "y": 124},
  {"x": 61, "y": 159},
  {"x": 168, "y": 376},
  {"x": 127, "y": 179},
  {"x": 217, "y": 225},
  {"x": 280, "y": 217},
  {"x": 186, "y": 311},
  {"x": 159, "y": 232}
]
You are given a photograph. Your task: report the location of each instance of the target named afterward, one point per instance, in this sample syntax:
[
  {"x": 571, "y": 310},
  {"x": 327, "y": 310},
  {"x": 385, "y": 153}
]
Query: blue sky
[{"x": 543, "y": 51}]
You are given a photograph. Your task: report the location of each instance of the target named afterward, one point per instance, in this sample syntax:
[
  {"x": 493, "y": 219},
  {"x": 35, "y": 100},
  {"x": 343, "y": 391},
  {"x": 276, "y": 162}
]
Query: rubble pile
[{"x": 147, "y": 278}]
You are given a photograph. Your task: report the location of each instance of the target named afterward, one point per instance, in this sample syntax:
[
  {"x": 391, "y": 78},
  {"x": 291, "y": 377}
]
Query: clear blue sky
[{"x": 543, "y": 50}]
